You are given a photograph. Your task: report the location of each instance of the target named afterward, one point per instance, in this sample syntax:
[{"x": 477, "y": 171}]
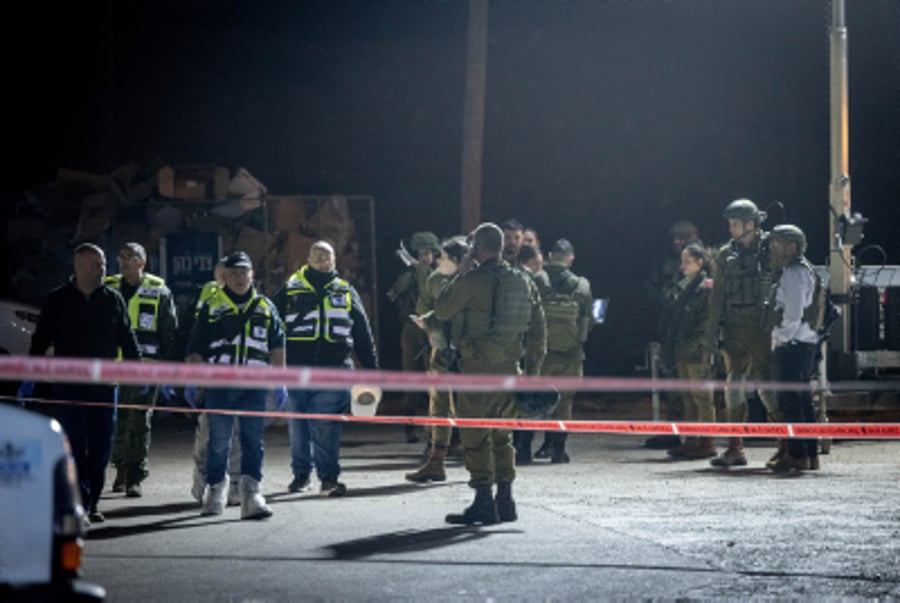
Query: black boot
[
  {"x": 559, "y": 448},
  {"x": 506, "y": 506},
  {"x": 482, "y": 511},
  {"x": 546, "y": 449},
  {"x": 522, "y": 443}
]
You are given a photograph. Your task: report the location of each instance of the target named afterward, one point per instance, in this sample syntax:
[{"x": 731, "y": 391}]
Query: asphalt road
[{"x": 619, "y": 522}]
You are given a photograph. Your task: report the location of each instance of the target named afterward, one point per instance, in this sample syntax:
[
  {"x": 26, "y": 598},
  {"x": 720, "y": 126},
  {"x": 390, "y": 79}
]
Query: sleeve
[
  {"x": 167, "y": 326},
  {"x": 44, "y": 333},
  {"x": 585, "y": 300},
  {"x": 198, "y": 343},
  {"x": 716, "y": 303},
  {"x": 276, "y": 329},
  {"x": 125, "y": 337},
  {"x": 536, "y": 338},
  {"x": 363, "y": 340},
  {"x": 454, "y": 298},
  {"x": 696, "y": 337},
  {"x": 401, "y": 285}
]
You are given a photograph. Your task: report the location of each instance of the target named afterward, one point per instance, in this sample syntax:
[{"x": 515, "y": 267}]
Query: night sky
[{"x": 605, "y": 121}]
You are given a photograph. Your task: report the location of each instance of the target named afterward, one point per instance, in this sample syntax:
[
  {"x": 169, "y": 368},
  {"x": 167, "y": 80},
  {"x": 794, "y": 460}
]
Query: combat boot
[
  {"x": 780, "y": 452},
  {"x": 559, "y": 448},
  {"x": 215, "y": 498},
  {"x": 522, "y": 443},
  {"x": 432, "y": 470},
  {"x": 546, "y": 449},
  {"x": 706, "y": 448},
  {"x": 483, "y": 510},
  {"x": 686, "y": 449},
  {"x": 733, "y": 456},
  {"x": 506, "y": 506},
  {"x": 788, "y": 463},
  {"x": 253, "y": 505}
]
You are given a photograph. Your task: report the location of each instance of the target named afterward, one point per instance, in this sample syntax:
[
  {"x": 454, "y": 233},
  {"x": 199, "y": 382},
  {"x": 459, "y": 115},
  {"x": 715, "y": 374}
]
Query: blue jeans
[
  {"x": 221, "y": 427},
  {"x": 315, "y": 442},
  {"x": 90, "y": 431}
]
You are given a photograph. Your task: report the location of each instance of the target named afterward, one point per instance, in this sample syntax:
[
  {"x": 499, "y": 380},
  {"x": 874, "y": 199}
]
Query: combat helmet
[
  {"x": 746, "y": 211},
  {"x": 791, "y": 234},
  {"x": 425, "y": 240}
]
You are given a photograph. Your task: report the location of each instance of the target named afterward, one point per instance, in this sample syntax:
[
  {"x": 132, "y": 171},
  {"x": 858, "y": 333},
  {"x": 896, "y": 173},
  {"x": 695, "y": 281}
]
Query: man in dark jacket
[
  {"x": 325, "y": 323},
  {"x": 86, "y": 319}
]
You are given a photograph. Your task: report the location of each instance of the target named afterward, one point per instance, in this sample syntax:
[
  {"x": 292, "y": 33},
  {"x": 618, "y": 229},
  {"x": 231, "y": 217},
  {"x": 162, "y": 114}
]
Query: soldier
[
  {"x": 405, "y": 293},
  {"x": 530, "y": 237},
  {"x": 740, "y": 283},
  {"x": 795, "y": 312},
  {"x": 567, "y": 305},
  {"x": 444, "y": 357},
  {"x": 513, "y": 237},
  {"x": 153, "y": 318},
  {"x": 494, "y": 303}
]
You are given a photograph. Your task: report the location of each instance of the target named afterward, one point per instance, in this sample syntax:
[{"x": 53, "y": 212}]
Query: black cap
[
  {"x": 562, "y": 246},
  {"x": 238, "y": 259}
]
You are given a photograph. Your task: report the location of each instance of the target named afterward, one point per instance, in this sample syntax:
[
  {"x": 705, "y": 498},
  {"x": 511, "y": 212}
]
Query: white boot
[
  {"x": 215, "y": 498},
  {"x": 234, "y": 492},
  {"x": 199, "y": 486},
  {"x": 253, "y": 505}
]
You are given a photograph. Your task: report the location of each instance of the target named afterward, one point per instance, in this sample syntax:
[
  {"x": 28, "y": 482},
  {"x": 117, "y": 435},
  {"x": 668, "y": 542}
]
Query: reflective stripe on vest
[
  {"x": 143, "y": 310},
  {"x": 250, "y": 345},
  {"x": 306, "y": 319}
]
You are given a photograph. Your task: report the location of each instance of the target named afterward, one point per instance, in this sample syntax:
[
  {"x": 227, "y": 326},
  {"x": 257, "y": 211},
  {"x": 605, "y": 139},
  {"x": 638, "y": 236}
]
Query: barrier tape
[
  {"x": 78, "y": 370},
  {"x": 746, "y": 430}
]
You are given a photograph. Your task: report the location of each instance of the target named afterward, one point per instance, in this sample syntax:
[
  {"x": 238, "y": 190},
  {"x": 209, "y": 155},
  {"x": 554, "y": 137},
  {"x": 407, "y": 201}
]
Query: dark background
[{"x": 605, "y": 121}]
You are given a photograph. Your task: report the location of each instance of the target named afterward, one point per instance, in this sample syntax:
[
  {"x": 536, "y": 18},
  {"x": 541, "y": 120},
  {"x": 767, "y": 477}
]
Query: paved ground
[{"x": 621, "y": 521}]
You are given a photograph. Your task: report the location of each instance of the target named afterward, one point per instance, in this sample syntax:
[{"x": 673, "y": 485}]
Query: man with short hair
[
  {"x": 530, "y": 237},
  {"x": 325, "y": 324},
  {"x": 153, "y": 318},
  {"x": 513, "y": 233},
  {"x": 86, "y": 319}
]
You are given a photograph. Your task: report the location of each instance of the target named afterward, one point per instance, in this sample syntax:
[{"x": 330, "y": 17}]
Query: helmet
[
  {"x": 791, "y": 234},
  {"x": 746, "y": 211},
  {"x": 683, "y": 229},
  {"x": 425, "y": 240}
]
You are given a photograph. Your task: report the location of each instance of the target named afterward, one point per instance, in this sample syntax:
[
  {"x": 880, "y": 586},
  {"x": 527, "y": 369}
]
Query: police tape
[
  {"x": 745, "y": 430},
  {"x": 79, "y": 370}
]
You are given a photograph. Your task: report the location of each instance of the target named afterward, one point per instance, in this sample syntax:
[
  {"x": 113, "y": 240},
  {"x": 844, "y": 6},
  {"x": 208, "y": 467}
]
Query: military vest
[
  {"x": 143, "y": 310},
  {"x": 310, "y": 315},
  {"x": 240, "y": 335},
  {"x": 562, "y": 312},
  {"x": 747, "y": 277},
  {"x": 813, "y": 314}
]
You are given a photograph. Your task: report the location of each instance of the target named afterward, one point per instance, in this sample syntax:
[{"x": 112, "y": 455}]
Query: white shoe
[
  {"x": 215, "y": 498},
  {"x": 253, "y": 504},
  {"x": 234, "y": 493}
]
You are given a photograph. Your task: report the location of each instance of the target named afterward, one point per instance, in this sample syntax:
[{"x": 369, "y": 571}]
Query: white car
[
  {"x": 42, "y": 521},
  {"x": 17, "y": 323}
]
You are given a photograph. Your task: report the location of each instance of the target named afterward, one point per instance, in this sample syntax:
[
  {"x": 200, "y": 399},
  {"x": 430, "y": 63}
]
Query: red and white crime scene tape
[{"x": 71, "y": 370}]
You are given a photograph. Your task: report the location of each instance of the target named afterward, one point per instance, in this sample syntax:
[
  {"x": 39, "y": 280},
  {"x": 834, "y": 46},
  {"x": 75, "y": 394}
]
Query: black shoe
[
  {"x": 118, "y": 484},
  {"x": 559, "y": 456},
  {"x": 411, "y": 437},
  {"x": 133, "y": 491},
  {"x": 545, "y": 451},
  {"x": 332, "y": 489},
  {"x": 506, "y": 509},
  {"x": 96, "y": 517},
  {"x": 662, "y": 442},
  {"x": 523, "y": 457},
  {"x": 483, "y": 513},
  {"x": 300, "y": 483}
]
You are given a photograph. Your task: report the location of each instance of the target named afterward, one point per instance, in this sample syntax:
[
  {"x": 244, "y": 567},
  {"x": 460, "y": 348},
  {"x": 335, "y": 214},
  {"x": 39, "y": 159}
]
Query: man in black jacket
[
  {"x": 86, "y": 319},
  {"x": 325, "y": 324}
]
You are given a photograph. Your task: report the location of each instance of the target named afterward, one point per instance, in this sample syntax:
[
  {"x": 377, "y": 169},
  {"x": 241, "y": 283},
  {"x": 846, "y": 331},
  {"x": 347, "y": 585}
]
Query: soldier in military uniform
[
  {"x": 513, "y": 238},
  {"x": 153, "y": 318},
  {"x": 741, "y": 278},
  {"x": 794, "y": 312},
  {"x": 491, "y": 343},
  {"x": 413, "y": 341},
  {"x": 567, "y": 307}
]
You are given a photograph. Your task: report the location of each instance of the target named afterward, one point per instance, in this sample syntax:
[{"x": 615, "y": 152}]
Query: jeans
[
  {"x": 795, "y": 362},
  {"x": 317, "y": 443},
  {"x": 90, "y": 431},
  {"x": 221, "y": 426}
]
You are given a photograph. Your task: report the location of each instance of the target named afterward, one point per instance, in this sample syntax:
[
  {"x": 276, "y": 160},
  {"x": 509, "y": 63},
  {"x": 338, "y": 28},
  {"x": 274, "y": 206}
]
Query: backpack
[
  {"x": 511, "y": 314},
  {"x": 562, "y": 312}
]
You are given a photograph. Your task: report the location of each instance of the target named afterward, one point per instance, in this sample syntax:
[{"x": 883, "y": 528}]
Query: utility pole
[{"x": 473, "y": 115}]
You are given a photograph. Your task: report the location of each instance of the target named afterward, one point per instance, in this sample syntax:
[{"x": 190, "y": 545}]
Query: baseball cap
[
  {"x": 364, "y": 400},
  {"x": 238, "y": 259}
]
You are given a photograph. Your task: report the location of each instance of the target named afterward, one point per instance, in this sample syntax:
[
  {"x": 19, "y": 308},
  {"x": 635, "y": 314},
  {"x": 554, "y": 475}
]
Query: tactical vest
[
  {"x": 143, "y": 310},
  {"x": 511, "y": 313},
  {"x": 562, "y": 312},
  {"x": 747, "y": 278},
  {"x": 310, "y": 315},
  {"x": 240, "y": 336},
  {"x": 813, "y": 314}
]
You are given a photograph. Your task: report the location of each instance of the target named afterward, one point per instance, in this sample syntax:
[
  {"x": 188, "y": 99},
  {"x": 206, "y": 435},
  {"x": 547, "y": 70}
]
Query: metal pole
[
  {"x": 840, "y": 258},
  {"x": 653, "y": 350},
  {"x": 473, "y": 115}
]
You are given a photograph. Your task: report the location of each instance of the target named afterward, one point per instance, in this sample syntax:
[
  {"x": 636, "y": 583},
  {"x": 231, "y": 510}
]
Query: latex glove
[
  {"x": 168, "y": 392},
  {"x": 191, "y": 395},
  {"x": 26, "y": 390},
  {"x": 281, "y": 398}
]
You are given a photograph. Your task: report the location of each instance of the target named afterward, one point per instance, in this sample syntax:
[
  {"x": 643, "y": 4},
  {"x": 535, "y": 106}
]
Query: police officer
[
  {"x": 326, "y": 324},
  {"x": 794, "y": 311},
  {"x": 86, "y": 319},
  {"x": 741, "y": 278},
  {"x": 444, "y": 357},
  {"x": 567, "y": 307},
  {"x": 153, "y": 318},
  {"x": 236, "y": 326},
  {"x": 486, "y": 346},
  {"x": 404, "y": 292}
]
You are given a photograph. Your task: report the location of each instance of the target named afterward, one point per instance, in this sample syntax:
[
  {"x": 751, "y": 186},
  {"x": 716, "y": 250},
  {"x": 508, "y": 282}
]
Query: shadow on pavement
[
  {"x": 408, "y": 540},
  {"x": 108, "y": 532}
]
